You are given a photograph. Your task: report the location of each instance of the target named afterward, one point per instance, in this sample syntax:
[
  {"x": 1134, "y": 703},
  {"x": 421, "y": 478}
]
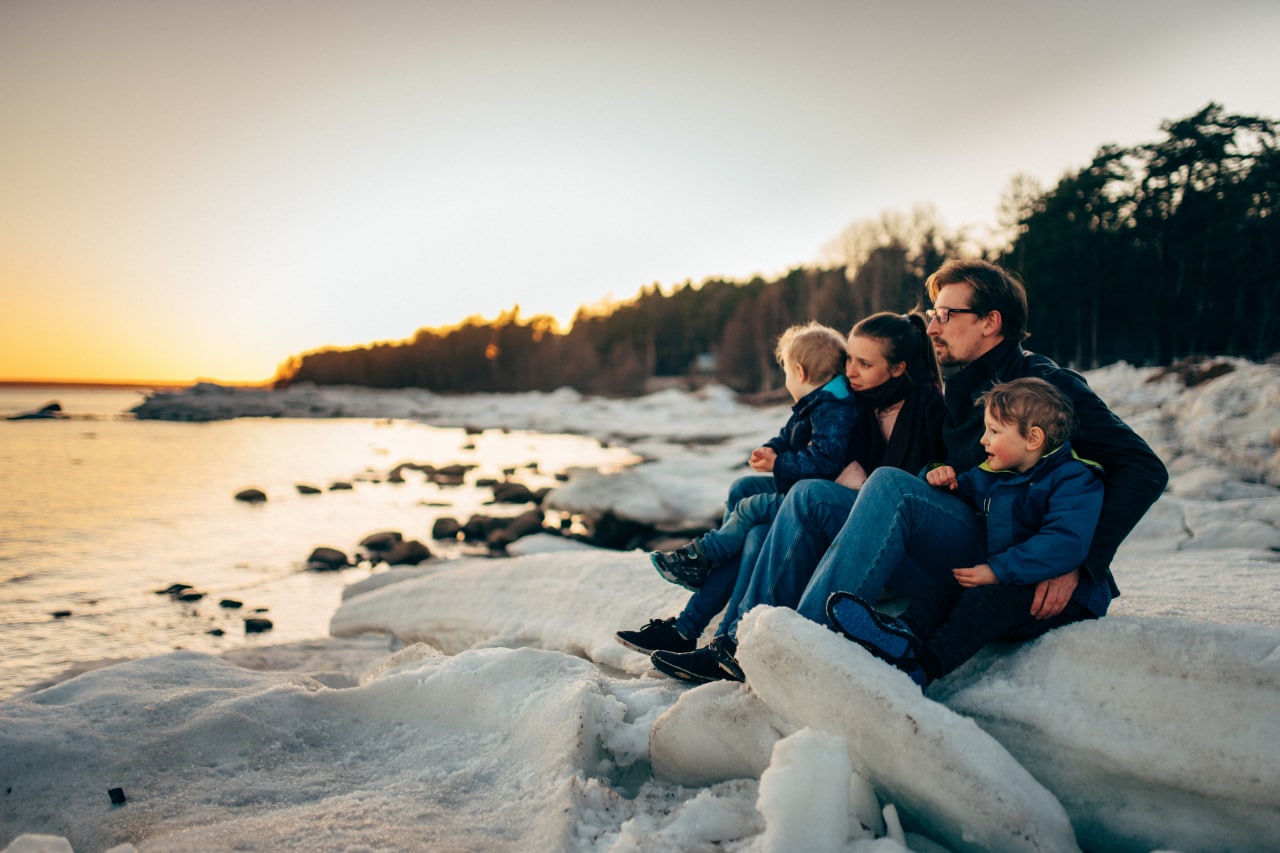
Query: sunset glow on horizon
[{"x": 205, "y": 189}]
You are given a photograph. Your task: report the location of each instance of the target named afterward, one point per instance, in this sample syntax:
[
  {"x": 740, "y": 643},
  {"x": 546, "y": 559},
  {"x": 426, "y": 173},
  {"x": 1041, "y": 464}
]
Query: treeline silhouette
[{"x": 1148, "y": 254}]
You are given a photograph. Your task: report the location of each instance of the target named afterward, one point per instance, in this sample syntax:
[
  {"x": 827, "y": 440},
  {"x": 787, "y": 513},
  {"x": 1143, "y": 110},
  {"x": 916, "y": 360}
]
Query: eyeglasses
[{"x": 943, "y": 315}]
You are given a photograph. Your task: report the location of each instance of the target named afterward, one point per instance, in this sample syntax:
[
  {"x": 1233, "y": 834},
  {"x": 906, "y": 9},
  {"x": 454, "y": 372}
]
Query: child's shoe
[
  {"x": 687, "y": 566},
  {"x": 658, "y": 635},
  {"x": 884, "y": 636}
]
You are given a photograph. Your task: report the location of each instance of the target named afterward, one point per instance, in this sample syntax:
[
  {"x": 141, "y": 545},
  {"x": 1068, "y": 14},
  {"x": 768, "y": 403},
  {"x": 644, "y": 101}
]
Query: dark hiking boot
[
  {"x": 658, "y": 635},
  {"x": 686, "y": 566},
  {"x": 884, "y": 636},
  {"x": 697, "y": 667}
]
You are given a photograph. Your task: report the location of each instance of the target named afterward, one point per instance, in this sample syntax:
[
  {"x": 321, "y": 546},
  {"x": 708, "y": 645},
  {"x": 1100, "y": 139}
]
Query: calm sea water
[{"x": 98, "y": 511}]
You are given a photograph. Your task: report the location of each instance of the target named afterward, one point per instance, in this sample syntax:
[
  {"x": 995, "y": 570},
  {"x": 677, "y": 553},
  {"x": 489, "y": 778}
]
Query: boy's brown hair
[
  {"x": 1027, "y": 403},
  {"x": 819, "y": 349}
]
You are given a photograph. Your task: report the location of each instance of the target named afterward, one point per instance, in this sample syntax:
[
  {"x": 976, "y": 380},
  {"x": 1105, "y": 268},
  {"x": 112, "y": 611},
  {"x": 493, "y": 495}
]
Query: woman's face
[{"x": 867, "y": 367}]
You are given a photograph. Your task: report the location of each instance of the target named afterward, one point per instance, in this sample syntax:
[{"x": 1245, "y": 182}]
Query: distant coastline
[{"x": 140, "y": 385}]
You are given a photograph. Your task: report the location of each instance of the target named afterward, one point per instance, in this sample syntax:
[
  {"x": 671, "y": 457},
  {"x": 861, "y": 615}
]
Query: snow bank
[
  {"x": 946, "y": 775},
  {"x": 500, "y": 749},
  {"x": 1146, "y": 729},
  {"x": 568, "y": 601}
]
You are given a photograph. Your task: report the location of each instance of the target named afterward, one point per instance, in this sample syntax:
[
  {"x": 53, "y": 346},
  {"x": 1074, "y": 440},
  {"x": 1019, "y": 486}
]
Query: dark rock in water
[
  {"x": 382, "y": 541},
  {"x": 117, "y": 796},
  {"x": 215, "y": 632},
  {"x": 251, "y": 496},
  {"x": 230, "y": 604},
  {"x": 451, "y": 475},
  {"x": 524, "y": 524},
  {"x": 340, "y": 486},
  {"x": 408, "y": 553},
  {"x": 446, "y": 528},
  {"x": 47, "y": 412},
  {"x": 189, "y": 595},
  {"x": 325, "y": 559},
  {"x": 511, "y": 492},
  {"x": 60, "y": 614},
  {"x": 255, "y": 625},
  {"x": 396, "y": 474},
  {"x": 304, "y": 489},
  {"x": 478, "y": 527},
  {"x": 609, "y": 531}
]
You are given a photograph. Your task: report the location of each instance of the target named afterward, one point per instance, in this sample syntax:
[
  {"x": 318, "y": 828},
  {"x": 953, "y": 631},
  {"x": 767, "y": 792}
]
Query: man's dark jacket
[{"x": 1135, "y": 476}]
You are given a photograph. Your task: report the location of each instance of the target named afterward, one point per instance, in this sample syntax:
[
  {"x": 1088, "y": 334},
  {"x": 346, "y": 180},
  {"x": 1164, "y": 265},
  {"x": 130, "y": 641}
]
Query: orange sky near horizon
[{"x": 202, "y": 190}]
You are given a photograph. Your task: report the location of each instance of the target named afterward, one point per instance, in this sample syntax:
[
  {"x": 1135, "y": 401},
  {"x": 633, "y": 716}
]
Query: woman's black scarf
[{"x": 912, "y": 442}]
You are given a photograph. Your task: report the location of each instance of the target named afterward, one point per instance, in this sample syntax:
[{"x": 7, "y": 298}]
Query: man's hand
[
  {"x": 979, "y": 575},
  {"x": 943, "y": 477},
  {"x": 762, "y": 459},
  {"x": 1053, "y": 594}
]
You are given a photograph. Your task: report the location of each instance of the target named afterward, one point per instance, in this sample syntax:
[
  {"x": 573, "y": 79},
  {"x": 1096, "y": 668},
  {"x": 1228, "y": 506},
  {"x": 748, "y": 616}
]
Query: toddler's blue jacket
[{"x": 815, "y": 443}]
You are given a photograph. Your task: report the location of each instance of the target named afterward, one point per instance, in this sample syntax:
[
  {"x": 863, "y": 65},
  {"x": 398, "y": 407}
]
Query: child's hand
[
  {"x": 979, "y": 575},
  {"x": 762, "y": 459},
  {"x": 944, "y": 477}
]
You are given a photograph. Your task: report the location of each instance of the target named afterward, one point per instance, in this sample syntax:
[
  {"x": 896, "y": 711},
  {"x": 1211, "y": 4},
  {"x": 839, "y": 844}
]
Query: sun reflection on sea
[{"x": 94, "y": 519}]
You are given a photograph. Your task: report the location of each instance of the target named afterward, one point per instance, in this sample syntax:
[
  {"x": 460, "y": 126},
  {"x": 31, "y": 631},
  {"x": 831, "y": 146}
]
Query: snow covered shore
[{"x": 482, "y": 704}]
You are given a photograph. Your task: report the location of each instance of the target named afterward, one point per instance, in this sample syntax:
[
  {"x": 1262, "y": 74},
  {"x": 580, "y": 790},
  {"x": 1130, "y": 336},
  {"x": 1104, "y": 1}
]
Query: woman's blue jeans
[{"x": 897, "y": 531}]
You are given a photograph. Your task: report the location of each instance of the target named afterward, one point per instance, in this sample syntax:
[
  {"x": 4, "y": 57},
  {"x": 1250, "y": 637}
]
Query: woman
[{"x": 894, "y": 375}]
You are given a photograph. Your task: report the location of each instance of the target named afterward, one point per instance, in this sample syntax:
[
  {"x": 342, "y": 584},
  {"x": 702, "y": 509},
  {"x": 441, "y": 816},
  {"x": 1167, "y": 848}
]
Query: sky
[{"x": 201, "y": 190}]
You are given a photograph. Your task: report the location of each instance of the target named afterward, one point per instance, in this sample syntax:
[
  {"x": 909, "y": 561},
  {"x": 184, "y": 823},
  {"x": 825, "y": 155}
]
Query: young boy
[
  {"x": 1040, "y": 504},
  {"x": 815, "y": 443}
]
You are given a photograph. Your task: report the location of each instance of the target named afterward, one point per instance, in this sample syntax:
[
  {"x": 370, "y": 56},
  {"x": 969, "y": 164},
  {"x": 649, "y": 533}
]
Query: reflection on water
[{"x": 96, "y": 515}]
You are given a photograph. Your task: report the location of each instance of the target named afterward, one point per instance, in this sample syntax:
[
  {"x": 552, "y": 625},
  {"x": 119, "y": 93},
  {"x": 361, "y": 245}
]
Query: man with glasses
[{"x": 900, "y": 533}]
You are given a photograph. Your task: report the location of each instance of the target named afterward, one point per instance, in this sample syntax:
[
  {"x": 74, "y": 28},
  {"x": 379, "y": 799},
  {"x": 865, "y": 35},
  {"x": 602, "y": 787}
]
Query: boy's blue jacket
[
  {"x": 1039, "y": 523},
  {"x": 815, "y": 441}
]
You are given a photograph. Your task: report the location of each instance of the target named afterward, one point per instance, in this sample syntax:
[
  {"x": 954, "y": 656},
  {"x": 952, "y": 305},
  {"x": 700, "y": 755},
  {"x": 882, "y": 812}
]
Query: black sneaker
[
  {"x": 726, "y": 651},
  {"x": 696, "y": 667},
  {"x": 686, "y": 566},
  {"x": 658, "y": 635}
]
